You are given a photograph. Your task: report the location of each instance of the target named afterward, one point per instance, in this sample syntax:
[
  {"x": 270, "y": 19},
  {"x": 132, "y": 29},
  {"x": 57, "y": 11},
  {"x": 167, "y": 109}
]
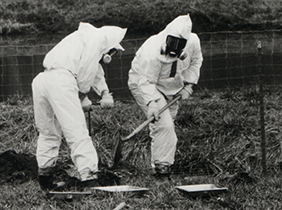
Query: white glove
[
  {"x": 86, "y": 104},
  {"x": 107, "y": 100},
  {"x": 186, "y": 92},
  {"x": 153, "y": 110}
]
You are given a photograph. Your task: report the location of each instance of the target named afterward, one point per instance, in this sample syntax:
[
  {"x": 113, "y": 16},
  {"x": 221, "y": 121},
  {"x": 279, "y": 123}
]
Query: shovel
[{"x": 117, "y": 148}]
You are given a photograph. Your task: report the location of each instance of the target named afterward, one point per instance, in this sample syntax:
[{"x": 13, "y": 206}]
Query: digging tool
[
  {"x": 117, "y": 148},
  {"x": 120, "y": 206},
  {"x": 68, "y": 195},
  {"x": 89, "y": 117},
  {"x": 201, "y": 190},
  {"x": 89, "y": 121}
]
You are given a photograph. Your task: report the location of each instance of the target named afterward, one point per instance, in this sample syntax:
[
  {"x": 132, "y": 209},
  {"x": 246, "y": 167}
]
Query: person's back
[{"x": 66, "y": 54}]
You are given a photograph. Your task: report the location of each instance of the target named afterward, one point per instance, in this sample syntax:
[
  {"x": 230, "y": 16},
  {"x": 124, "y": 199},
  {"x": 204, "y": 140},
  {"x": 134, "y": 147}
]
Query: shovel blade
[{"x": 117, "y": 151}]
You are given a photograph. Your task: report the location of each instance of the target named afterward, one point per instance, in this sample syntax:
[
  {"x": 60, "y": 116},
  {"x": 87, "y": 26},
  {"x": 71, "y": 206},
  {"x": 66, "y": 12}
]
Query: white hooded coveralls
[
  {"x": 71, "y": 66},
  {"x": 149, "y": 80}
]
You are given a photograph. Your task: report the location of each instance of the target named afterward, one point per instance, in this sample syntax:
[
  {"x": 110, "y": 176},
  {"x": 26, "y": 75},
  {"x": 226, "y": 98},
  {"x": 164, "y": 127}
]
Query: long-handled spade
[
  {"x": 89, "y": 120},
  {"x": 117, "y": 149}
]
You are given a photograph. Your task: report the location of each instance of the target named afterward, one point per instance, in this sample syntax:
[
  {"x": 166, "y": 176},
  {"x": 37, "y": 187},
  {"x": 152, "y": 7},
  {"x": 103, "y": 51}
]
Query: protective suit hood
[
  {"x": 111, "y": 36},
  {"x": 179, "y": 27},
  {"x": 81, "y": 51},
  {"x": 97, "y": 42}
]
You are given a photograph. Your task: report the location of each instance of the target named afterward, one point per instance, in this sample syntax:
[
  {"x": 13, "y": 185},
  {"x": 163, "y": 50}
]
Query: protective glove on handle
[
  {"x": 107, "y": 100},
  {"x": 186, "y": 92},
  {"x": 86, "y": 104},
  {"x": 153, "y": 110}
]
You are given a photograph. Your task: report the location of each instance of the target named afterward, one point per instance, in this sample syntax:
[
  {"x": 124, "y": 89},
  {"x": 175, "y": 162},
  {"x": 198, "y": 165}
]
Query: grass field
[{"x": 219, "y": 143}]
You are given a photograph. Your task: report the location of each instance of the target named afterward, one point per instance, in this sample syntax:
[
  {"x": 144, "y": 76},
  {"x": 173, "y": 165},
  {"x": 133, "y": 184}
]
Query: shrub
[{"x": 144, "y": 17}]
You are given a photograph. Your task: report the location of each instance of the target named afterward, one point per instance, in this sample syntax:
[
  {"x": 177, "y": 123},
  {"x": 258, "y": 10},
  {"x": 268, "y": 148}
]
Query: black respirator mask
[
  {"x": 174, "y": 46},
  {"x": 107, "y": 58}
]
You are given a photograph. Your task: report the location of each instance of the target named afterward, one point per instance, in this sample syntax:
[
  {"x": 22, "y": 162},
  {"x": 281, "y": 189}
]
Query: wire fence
[{"x": 231, "y": 60}]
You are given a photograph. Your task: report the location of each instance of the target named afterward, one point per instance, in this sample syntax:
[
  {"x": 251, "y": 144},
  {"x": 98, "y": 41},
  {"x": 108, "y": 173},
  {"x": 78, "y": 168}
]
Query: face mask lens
[{"x": 174, "y": 45}]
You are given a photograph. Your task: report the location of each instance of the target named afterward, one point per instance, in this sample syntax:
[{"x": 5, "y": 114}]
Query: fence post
[{"x": 261, "y": 97}]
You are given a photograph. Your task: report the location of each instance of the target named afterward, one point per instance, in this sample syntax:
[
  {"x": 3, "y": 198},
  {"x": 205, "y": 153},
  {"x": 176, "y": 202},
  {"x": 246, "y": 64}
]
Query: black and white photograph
[{"x": 140, "y": 104}]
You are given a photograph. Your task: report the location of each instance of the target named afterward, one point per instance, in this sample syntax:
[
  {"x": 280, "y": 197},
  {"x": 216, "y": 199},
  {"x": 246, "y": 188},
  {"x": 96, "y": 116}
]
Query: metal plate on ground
[
  {"x": 202, "y": 189},
  {"x": 67, "y": 195},
  {"x": 121, "y": 188}
]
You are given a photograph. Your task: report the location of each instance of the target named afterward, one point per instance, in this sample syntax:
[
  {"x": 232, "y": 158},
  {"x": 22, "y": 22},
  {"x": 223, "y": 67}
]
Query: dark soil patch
[
  {"x": 20, "y": 168},
  {"x": 17, "y": 168}
]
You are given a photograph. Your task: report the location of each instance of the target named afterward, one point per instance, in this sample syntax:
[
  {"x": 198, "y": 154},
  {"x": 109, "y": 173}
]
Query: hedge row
[{"x": 143, "y": 17}]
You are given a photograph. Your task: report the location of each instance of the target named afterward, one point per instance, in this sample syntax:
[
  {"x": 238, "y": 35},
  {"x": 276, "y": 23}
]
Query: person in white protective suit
[
  {"x": 166, "y": 65},
  {"x": 72, "y": 67}
]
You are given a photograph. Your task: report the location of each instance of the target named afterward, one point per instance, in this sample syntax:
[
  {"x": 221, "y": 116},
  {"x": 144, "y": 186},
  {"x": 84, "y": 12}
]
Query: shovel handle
[
  {"x": 89, "y": 121},
  {"x": 145, "y": 123}
]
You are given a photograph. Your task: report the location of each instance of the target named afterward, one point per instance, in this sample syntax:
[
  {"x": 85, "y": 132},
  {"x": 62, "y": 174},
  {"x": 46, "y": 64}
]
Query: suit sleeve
[
  {"x": 99, "y": 83},
  {"x": 192, "y": 73},
  {"x": 89, "y": 62}
]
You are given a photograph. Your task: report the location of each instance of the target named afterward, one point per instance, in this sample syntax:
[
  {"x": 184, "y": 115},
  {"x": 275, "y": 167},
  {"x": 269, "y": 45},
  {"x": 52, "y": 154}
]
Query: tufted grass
[{"x": 219, "y": 143}]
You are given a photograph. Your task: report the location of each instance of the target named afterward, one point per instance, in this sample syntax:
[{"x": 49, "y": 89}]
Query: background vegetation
[{"x": 141, "y": 17}]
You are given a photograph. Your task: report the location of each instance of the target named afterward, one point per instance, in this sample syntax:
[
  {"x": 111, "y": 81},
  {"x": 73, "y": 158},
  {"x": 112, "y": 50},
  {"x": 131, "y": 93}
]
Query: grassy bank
[
  {"x": 219, "y": 142},
  {"x": 142, "y": 17}
]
